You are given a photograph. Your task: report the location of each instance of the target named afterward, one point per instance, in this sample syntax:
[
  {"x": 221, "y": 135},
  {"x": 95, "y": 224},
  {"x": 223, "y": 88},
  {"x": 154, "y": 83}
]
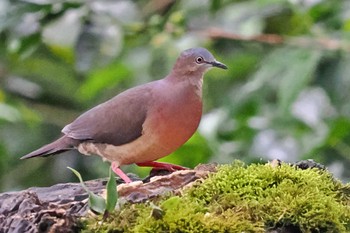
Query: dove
[{"x": 144, "y": 123}]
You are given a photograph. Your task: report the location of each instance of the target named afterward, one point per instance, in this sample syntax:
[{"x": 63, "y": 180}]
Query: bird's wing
[{"x": 117, "y": 121}]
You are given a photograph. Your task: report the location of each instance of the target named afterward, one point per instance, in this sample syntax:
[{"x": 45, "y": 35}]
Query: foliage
[
  {"x": 112, "y": 194},
  {"x": 285, "y": 95},
  {"x": 241, "y": 198},
  {"x": 98, "y": 203}
]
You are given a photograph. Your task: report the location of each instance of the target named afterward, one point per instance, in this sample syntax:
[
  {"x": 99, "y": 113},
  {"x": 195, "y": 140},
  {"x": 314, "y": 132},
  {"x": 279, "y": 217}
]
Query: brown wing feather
[{"x": 117, "y": 121}]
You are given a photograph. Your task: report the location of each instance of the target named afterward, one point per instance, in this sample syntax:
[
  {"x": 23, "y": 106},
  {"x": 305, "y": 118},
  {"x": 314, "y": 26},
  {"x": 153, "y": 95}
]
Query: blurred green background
[{"x": 286, "y": 94}]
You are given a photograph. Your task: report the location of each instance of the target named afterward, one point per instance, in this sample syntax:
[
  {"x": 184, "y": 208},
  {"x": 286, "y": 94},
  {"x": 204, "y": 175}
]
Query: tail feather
[{"x": 60, "y": 145}]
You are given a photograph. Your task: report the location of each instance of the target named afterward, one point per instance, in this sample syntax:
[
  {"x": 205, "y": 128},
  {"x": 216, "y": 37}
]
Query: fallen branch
[{"x": 274, "y": 39}]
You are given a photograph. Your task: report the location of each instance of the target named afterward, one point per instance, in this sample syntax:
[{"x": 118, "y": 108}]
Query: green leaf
[
  {"x": 297, "y": 73},
  {"x": 339, "y": 130},
  {"x": 215, "y": 5},
  {"x": 112, "y": 194},
  {"x": 96, "y": 202},
  {"x": 101, "y": 79}
]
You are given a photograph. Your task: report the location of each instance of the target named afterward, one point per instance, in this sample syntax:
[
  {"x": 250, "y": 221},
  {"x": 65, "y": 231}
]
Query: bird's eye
[{"x": 199, "y": 60}]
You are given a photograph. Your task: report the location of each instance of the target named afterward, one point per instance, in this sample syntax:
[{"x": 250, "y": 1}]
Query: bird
[{"x": 142, "y": 124}]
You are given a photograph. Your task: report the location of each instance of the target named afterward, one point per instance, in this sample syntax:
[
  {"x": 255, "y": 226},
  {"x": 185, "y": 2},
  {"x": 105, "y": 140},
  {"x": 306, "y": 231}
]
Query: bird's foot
[
  {"x": 120, "y": 173},
  {"x": 160, "y": 165}
]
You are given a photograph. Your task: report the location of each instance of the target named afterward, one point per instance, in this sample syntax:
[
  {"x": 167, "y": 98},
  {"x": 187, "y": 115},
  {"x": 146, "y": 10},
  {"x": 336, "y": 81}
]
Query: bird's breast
[{"x": 175, "y": 117}]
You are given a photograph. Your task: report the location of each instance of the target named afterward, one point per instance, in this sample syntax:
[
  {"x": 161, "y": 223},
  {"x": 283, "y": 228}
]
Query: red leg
[
  {"x": 120, "y": 173},
  {"x": 160, "y": 165}
]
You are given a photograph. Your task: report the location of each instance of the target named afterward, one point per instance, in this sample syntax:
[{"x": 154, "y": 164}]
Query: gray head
[{"x": 196, "y": 60}]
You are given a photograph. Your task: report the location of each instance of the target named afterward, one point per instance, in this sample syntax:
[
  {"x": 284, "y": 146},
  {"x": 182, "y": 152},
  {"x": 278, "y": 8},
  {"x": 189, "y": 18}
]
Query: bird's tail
[{"x": 60, "y": 145}]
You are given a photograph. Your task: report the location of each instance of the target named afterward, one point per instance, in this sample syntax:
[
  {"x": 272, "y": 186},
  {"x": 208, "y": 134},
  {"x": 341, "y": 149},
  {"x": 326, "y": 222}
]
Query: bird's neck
[
  {"x": 198, "y": 85},
  {"x": 192, "y": 81}
]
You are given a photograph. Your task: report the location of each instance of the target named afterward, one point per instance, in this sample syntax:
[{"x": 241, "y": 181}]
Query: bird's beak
[{"x": 218, "y": 64}]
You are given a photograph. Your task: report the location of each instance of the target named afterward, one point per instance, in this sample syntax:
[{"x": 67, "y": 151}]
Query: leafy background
[{"x": 286, "y": 93}]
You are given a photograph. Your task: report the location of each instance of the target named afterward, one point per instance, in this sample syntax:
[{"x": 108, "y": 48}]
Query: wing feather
[{"x": 117, "y": 121}]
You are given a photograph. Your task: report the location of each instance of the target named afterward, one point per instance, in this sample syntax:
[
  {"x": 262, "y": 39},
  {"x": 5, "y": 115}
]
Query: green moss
[{"x": 241, "y": 198}]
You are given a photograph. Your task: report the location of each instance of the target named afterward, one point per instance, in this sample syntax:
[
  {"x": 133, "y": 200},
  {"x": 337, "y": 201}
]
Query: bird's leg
[
  {"x": 160, "y": 165},
  {"x": 120, "y": 173}
]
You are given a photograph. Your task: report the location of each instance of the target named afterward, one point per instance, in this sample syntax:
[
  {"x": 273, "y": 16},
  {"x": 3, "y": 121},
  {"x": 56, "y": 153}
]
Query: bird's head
[{"x": 196, "y": 60}]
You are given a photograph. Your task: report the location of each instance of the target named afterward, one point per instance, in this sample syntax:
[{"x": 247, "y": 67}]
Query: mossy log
[{"x": 272, "y": 197}]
